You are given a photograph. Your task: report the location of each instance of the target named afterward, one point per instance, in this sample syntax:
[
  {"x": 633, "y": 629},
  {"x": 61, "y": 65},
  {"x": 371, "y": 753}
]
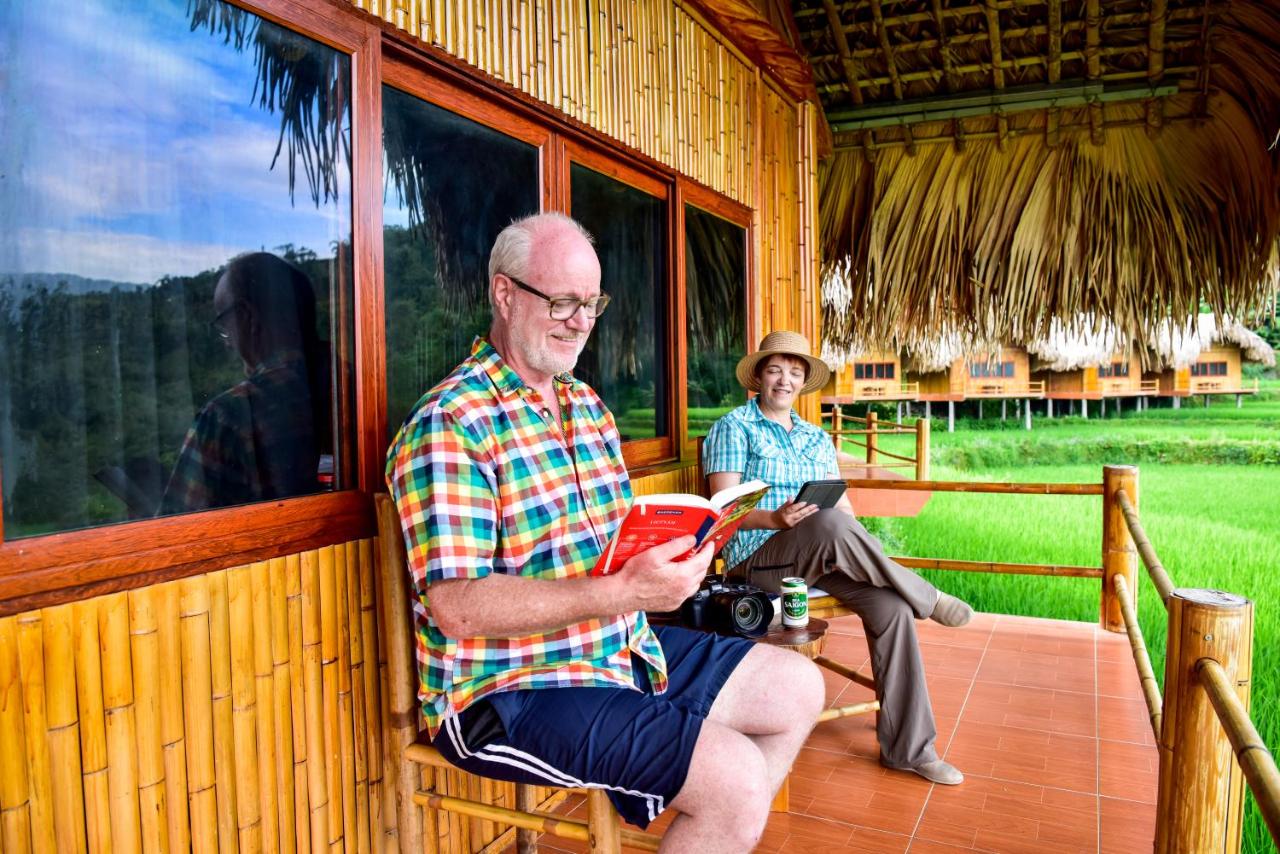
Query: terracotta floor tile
[
  {"x": 951, "y": 825},
  {"x": 1127, "y": 826},
  {"x": 1128, "y": 771},
  {"x": 949, "y": 660},
  {"x": 1119, "y": 679},
  {"x": 1032, "y": 708},
  {"x": 1124, "y": 719},
  {"x": 947, "y": 694},
  {"x": 927, "y": 846}
]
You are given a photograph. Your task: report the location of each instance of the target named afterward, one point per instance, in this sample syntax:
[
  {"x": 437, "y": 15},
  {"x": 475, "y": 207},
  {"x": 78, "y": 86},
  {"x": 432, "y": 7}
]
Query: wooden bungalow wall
[
  {"x": 1234, "y": 378},
  {"x": 241, "y": 708},
  {"x": 1021, "y": 372}
]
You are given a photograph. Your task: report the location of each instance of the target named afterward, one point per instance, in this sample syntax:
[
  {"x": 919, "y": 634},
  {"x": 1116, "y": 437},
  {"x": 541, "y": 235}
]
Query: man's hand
[
  {"x": 791, "y": 514},
  {"x": 655, "y": 580}
]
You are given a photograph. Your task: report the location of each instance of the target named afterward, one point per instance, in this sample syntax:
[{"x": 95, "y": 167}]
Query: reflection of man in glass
[{"x": 263, "y": 437}]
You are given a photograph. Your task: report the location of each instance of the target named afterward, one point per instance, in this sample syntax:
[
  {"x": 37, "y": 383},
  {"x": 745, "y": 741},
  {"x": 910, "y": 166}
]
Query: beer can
[{"x": 795, "y": 603}]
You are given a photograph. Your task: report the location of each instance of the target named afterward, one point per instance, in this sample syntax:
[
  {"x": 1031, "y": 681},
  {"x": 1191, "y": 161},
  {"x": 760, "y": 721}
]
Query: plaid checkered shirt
[
  {"x": 746, "y": 442},
  {"x": 482, "y": 485}
]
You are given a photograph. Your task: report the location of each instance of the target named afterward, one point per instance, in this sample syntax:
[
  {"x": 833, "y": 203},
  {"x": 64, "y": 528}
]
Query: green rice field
[{"x": 1209, "y": 493}]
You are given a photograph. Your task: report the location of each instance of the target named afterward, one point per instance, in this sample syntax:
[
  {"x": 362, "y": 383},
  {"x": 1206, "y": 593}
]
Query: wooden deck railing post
[
  {"x": 837, "y": 419},
  {"x": 1200, "y": 800},
  {"x": 1119, "y": 555},
  {"x": 922, "y": 449},
  {"x": 871, "y": 435}
]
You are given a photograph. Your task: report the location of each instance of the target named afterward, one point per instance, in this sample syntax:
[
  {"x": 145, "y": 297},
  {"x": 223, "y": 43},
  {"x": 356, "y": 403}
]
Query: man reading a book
[
  {"x": 509, "y": 481},
  {"x": 767, "y": 440}
]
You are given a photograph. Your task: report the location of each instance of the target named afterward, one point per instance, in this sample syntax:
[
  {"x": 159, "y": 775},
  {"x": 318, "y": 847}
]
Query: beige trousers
[{"x": 833, "y": 551}]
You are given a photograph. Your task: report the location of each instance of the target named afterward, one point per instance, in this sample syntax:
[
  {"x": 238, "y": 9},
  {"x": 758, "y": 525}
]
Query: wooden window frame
[
  {"x": 44, "y": 569},
  {"x": 49, "y": 569},
  {"x": 637, "y": 453},
  {"x": 690, "y": 192}
]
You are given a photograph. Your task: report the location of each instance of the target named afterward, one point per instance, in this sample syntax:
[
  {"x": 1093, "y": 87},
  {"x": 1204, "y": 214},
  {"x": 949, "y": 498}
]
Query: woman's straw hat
[{"x": 783, "y": 343}]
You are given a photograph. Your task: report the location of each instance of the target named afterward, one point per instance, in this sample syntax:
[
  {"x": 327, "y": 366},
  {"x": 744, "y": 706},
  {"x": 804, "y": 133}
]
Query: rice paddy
[{"x": 1209, "y": 490}]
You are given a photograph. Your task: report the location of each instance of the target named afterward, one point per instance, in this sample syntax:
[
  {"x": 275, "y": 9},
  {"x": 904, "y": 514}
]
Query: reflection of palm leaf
[
  {"x": 306, "y": 82},
  {"x": 714, "y": 270}
]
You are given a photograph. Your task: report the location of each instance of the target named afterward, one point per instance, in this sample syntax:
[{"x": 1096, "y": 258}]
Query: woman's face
[{"x": 781, "y": 378}]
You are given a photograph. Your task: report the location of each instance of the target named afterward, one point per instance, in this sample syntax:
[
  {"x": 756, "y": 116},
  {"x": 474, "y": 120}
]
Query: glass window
[
  {"x": 625, "y": 359},
  {"x": 859, "y": 371},
  {"x": 888, "y": 370},
  {"x": 715, "y": 263},
  {"x": 451, "y": 184},
  {"x": 148, "y": 365}
]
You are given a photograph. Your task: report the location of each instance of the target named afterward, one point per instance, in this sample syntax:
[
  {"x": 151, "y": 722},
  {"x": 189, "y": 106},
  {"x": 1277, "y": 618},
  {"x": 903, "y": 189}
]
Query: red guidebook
[{"x": 656, "y": 519}]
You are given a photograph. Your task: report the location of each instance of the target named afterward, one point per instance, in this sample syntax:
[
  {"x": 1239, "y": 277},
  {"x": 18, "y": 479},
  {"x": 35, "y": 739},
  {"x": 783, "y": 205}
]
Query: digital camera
[{"x": 728, "y": 609}]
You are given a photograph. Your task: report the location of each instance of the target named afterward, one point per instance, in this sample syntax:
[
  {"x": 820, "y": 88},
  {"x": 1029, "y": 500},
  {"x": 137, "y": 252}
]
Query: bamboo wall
[{"x": 237, "y": 710}]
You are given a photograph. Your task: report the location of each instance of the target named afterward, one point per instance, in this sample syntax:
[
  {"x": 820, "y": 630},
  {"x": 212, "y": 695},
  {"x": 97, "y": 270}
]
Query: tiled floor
[{"x": 1044, "y": 717}]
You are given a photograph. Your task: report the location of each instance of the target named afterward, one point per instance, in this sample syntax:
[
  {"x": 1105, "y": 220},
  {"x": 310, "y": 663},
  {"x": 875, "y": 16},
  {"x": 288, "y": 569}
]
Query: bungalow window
[
  {"x": 451, "y": 184},
  {"x": 1209, "y": 369},
  {"x": 985, "y": 370},
  {"x": 149, "y": 364},
  {"x": 625, "y": 359},
  {"x": 715, "y": 270},
  {"x": 1115, "y": 369}
]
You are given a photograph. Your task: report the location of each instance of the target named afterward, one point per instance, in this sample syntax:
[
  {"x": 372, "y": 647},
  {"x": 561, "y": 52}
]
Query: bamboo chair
[{"x": 416, "y": 806}]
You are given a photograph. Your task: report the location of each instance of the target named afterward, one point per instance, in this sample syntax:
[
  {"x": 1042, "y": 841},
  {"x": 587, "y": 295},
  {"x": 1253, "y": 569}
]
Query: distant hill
[{"x": 26, "y": 282}]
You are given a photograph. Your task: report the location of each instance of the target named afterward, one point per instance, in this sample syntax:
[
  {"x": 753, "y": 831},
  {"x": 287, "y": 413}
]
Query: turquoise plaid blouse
[{"x": 746, "y": 442}]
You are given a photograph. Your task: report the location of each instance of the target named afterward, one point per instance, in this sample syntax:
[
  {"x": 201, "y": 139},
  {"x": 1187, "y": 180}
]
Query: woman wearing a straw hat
[{"x": 766, "y": 440}]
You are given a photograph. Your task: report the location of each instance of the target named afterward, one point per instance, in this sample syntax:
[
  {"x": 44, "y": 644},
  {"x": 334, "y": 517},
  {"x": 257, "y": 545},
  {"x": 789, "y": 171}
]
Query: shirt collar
[{"x": 501, "y": 374}]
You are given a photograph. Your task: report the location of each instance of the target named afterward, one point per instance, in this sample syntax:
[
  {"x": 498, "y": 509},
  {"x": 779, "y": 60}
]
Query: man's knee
[
  {"x": 806, "y": 691},
  {"x": 728, "y": 784}
]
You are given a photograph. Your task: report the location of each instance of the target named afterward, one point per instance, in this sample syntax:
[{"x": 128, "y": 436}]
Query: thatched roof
[
  {"x": 1179, "y": 345},
  {"x": 995, "y": 166},
  {"x": 1070, "y": 347}
]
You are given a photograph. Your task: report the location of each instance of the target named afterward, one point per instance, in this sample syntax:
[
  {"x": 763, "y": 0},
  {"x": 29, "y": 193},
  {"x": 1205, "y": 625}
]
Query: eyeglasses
[
  {"x": 216, "y": 323},
  {"x": 563, "y": 308}
]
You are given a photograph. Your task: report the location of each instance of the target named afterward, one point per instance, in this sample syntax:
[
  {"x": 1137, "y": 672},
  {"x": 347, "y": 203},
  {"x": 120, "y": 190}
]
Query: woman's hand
[{"x": 791, "y": 514}]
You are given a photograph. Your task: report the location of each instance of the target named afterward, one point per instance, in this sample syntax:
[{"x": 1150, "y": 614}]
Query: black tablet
[{"x": 824, "y": 493}]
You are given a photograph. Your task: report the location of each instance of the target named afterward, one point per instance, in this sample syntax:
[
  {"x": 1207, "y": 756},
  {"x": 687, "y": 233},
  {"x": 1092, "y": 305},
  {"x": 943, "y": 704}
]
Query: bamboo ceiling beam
[
  {"x": 1113, "y": 24},
  {"x": 850, "y": 70},
  {"x": 882, "y": 34},
  {"x": 921, "y": 17},
  {"x": 935, "y": 74},
  {"x": 1155, "y": 64},
  {"x": 948, "y": 67},
  {"x": 997, "y": 63},
  {"x": 1093, "y": 63},
  {"x": 847, "y": 144},
  {"x": 1054, "y": 70}
]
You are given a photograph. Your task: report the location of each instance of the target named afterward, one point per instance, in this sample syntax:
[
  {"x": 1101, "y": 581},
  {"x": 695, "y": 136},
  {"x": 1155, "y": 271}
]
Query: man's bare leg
[
  {"x": 773, "y": 697},
  {"x": 756, "y": 727}
]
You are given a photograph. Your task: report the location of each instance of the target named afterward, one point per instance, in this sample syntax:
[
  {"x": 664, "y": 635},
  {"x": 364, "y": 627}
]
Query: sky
[{"x": 132, "y": 148}]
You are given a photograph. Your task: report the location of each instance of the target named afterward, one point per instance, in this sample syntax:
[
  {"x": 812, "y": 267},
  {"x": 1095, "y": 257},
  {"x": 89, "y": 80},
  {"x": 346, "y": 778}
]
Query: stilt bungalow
[
  {"x": 1205, "y": 356},
  {"x": 206, "y": 634},
  {"x": 941, "y": 371},
  {"x": 871, "y": 376}
]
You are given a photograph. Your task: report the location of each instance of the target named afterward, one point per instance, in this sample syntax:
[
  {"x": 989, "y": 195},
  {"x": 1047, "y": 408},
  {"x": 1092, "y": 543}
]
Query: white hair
[{"x": 514, "y": 244}]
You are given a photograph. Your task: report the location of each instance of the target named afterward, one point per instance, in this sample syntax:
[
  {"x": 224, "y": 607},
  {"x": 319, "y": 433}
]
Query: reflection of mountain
[{"x": 70, "y": 283}]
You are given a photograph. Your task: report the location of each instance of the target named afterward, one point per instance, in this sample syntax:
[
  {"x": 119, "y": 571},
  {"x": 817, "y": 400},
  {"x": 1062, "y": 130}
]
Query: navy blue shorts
[{"x": 635, "y": 744}]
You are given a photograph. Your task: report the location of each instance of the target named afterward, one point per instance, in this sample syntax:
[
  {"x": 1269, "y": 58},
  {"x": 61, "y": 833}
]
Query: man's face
[
  {"x": 781, "y": 378},
  {"x": 550, "y": 346},
  {"x": 229, "y": 320}
]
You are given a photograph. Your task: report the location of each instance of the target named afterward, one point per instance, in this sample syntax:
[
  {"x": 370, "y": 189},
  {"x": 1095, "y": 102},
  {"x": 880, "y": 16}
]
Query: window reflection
[
  {"x": 716, "y": 306},
  {"x": 451, "y": 185},
  {"x": 188, "y": 132},
  {"x": 625, "y": 359}
]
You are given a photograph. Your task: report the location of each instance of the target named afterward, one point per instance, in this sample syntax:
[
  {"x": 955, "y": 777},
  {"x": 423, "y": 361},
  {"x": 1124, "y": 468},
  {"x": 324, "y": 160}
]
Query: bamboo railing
[
  {"x": 1209, "y": 747},
  {"x": 871, "y": 431}
]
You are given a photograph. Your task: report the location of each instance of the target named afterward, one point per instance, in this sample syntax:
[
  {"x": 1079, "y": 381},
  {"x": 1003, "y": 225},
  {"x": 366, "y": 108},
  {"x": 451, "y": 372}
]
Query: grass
[{"x": 1213, "y": 525}]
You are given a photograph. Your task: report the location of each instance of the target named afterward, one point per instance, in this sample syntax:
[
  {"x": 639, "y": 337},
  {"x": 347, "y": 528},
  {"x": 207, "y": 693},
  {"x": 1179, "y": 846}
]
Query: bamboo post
[
  {"x": 1119, "y": 555},
  {"x": 603, "y": 824},
  {"x": 31, "y": 669},
  {"x": 1200, "y": 800},
  {"x": 15, "y": 796},
  {"x": 63, "y": 728},
  {"x": 922, "y": 449},
  {"x": 872, "y": 442},
  {"x": 197, "y": 711}
]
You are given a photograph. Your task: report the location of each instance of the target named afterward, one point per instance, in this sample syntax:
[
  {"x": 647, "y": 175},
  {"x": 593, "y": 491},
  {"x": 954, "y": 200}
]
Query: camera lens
[{"x": 748, "y": 615}]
